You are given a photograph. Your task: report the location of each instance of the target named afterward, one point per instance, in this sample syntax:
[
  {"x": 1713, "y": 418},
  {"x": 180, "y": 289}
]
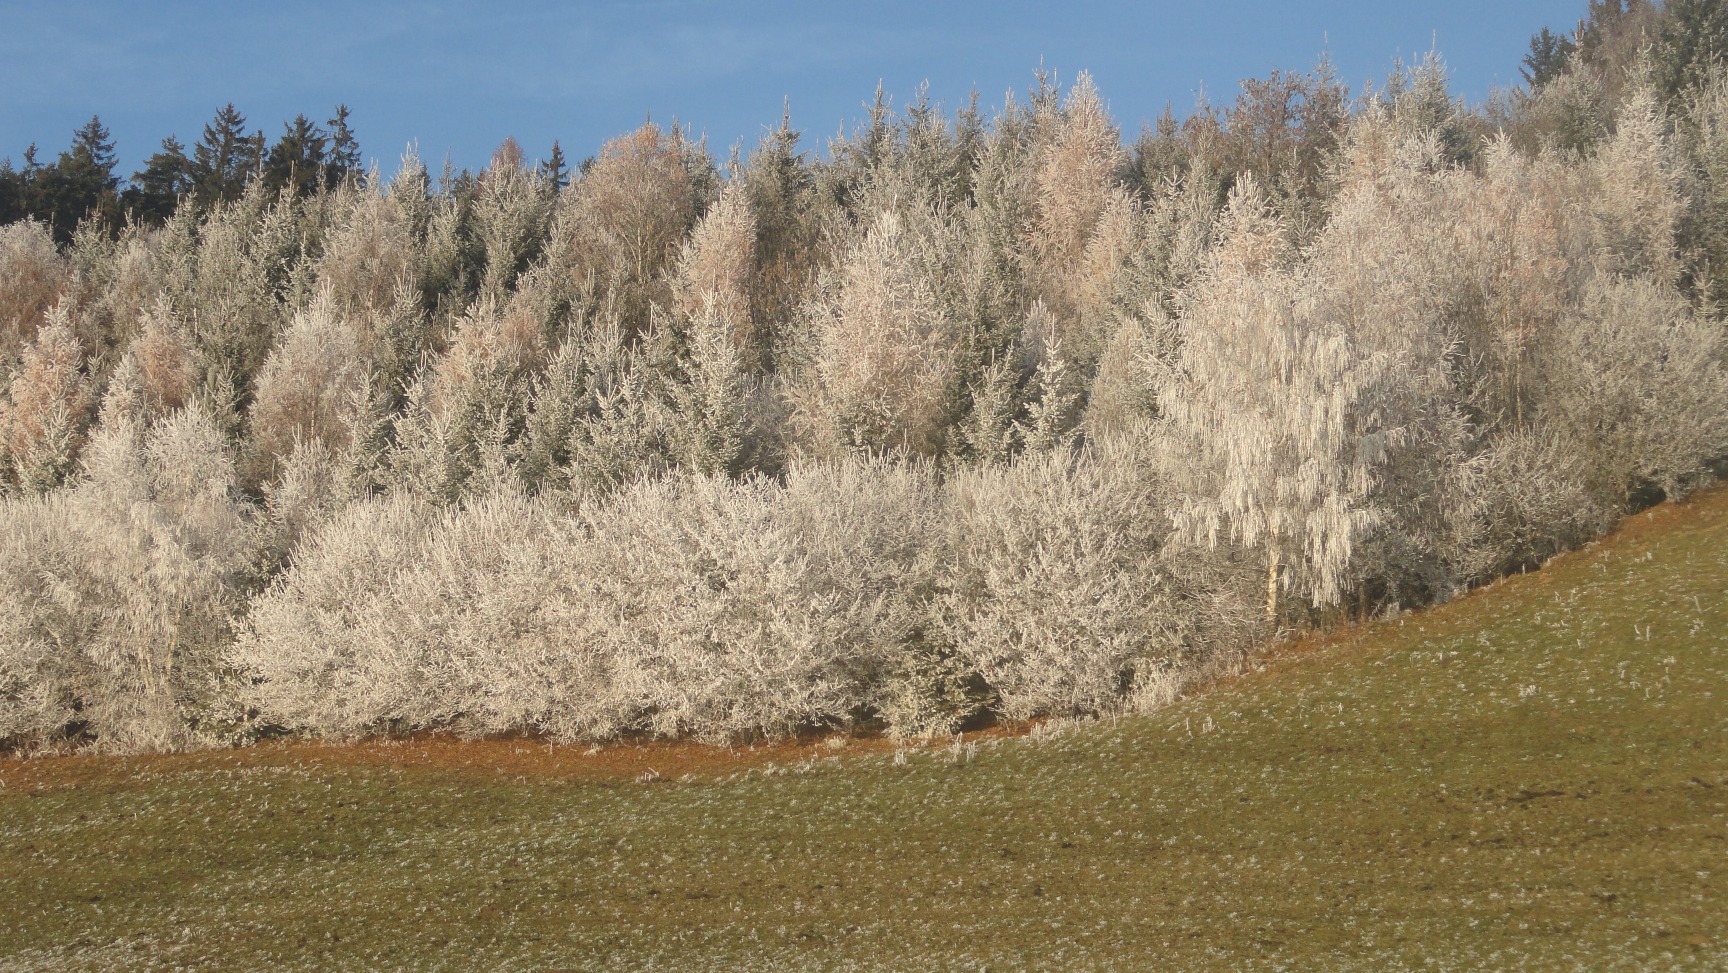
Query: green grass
[{"x": 1535, "y": 777}]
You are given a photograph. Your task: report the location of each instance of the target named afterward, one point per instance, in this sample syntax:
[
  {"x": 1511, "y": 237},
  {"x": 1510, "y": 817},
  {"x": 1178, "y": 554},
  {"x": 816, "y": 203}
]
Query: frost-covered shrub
[
  {"x": 1640, "y": 386},
  {"x": 341, "y": 647},
  {"x": 1058, "y": 595},
  {"x": 119, "y": 592},
  {"x": 684, "y": 606},
  {"x": 730, "y": 609},
  {"x": 1516, "y": 504}
]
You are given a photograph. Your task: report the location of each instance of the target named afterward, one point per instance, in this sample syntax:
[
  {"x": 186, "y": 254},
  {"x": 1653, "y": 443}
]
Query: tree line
[
  {"x": 967, "y": 416},
  {"x": 83, "y": 182}
]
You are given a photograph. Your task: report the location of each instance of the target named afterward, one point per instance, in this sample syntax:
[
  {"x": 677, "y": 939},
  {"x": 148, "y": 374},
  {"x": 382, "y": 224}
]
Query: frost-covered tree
[
  {"x": 49, "y": 402},
  {"x": 310, "y": 387},
  {"x": 619, "y": 227},
  {"x": 1703, "y": 136},
  {"x": 1636, "y": 205},
  {"x": 33, "y": 277},
  {"x": 512, "y": 211},
  {"x": 470, "y": 398},
  {"x": 1078, "y": 171},
  {"x": 716, "y": 266},
  {"x": 780, "y": 191},
  {"x": 1279, "y": 411},
  {"x": 883, "y": 352}
]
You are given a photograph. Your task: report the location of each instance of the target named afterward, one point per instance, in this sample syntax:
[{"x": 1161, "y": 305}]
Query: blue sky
[{"x": 457, "y": 77}]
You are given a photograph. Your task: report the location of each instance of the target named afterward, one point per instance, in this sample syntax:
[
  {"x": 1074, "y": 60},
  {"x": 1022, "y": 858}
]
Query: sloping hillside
[{"x": 1533, "y": 777}]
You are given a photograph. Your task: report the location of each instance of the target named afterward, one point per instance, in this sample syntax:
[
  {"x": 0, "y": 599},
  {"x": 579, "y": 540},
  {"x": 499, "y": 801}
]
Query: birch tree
[{"x": 1276, "y": 405}]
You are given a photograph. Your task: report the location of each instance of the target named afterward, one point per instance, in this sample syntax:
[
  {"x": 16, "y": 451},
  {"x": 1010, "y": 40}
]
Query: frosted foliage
[
  {"x": 1516, "y": 504},
  {"x": 1131, "y": 371},
  {"x": 163, "y": 360},
  {"x": 716, "y": 267},
  {"x": 967, "y": 416},
  {"x": 244, "y": 251},
  {"x": 1057, "y": 595},
  {"x": 1638, "y": 383},
  {"x": 712, "y": 290},
  {"x": 1118, "y": 277},
  {"x": 691, "y": 605},
  {"x": 1636, "y": 204},
  {"x": 618, "y": 227},
  {"x": 311, "y": 384},
  {"x": 885, "y": 351},
  {"x": 32, "y": 279},
  {"x": 492, "y": 345},
  {"x": 1075, "y": 182},
  {"x": 747, "y": 611},
  {"x": 1277, "y": 406},
  {"x": 134, "y": 286},
  {"x": 370, "y": 252},
  {"x": 468, "y": 402},
  {"x": 511, "y": 214},
  {"x": 1056, "y": 386},
  {"x": 40, "y": 641},
  {"x": 47, "y": 405},
  {"x": 1451, "y": 264},
  {"x": 119, "y": 591},
  {"x": 716, "y": 400}
]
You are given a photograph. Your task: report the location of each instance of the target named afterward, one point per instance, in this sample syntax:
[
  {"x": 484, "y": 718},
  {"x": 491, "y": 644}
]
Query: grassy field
[{"x": 1533, "y": 777}]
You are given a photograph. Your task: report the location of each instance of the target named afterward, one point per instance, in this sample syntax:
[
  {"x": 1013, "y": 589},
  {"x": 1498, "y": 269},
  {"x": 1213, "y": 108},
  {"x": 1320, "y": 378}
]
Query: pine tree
[{"x": 11, "y": 193}]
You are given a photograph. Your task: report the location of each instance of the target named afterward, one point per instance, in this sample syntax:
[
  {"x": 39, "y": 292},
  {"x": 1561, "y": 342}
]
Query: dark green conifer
[
  {"x": 156, "y": 189},
  {"x": 225, "y": 158}
]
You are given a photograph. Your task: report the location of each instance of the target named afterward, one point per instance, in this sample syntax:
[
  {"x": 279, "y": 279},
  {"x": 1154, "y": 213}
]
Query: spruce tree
[
  {"x": 156, "y": 189},
  {"x": 82, "y": 180},
  {"x": 342, "y": 155},
  {"x": 555, "y": 170},
  {"x": 298, "y": 158},
  {"x": 12, "y": 201},
  {"x": 1691, "y": 38},
  {"x": 1547, "y": 60},
  {"x": 225, "y": 158}
]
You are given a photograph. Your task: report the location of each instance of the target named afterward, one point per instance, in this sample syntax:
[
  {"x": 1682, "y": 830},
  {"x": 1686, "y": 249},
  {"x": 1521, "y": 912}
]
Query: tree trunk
[{"x": 1272, "y": 563}]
